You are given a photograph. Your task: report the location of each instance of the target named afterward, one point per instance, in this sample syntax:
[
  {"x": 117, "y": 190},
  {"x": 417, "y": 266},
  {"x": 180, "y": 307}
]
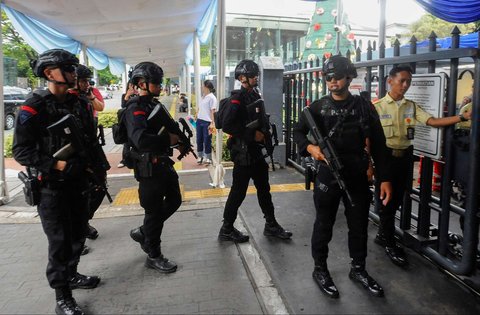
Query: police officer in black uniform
[
  {"x": 358, "y": 122},
  {"x": 159, "y": 190},
  {"x": 63, "y": 203},
  {"x": 84, "y": 74},
  {"x": 249, "y": 162}
]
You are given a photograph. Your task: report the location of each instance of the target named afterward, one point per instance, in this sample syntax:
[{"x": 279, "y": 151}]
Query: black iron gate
[{"x": 424, "y": 222}]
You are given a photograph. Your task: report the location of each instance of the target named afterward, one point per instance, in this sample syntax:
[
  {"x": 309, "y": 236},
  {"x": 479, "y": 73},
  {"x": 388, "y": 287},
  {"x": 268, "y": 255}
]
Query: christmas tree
[{"x": 327, "y": 21}]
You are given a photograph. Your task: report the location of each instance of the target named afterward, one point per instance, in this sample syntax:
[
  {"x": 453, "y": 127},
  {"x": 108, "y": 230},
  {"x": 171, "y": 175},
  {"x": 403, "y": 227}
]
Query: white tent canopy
[{"x": 133, "y": 31}]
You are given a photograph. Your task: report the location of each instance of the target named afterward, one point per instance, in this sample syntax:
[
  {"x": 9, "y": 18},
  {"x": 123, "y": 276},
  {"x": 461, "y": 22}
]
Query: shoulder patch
[
  {"x": 376, "y": 101},
  {"x": 26, "y": 112}
]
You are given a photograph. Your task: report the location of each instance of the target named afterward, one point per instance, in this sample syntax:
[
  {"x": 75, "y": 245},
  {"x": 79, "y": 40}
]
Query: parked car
[
  {"x": 106, "y": 94},
  {"x": 13, "y": 97}
]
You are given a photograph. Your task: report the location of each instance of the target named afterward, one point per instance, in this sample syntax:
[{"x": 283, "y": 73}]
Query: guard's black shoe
[
  {"x": 68, "y": 306},
  {"x": 360, "y": 275},
  {"x": 274, "y": 229},
  {"x": 161, "y": 264},
  {"x": 85, "y": 250},
  {"x": 233, "y": 235},
  {"x": 325, "y": 282},
  {"x": 92, "y": 232},
  {"x": 397, "y": 255},
  {"x": 80, "y": 281},
  {"x": 138, "y": 236}
]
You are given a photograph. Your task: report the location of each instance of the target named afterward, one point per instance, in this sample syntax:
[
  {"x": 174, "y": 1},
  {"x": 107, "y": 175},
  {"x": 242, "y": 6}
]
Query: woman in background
[{"x": 205, "y": 125}]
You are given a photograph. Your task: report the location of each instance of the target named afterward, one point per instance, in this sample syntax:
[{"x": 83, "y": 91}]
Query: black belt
[{"x": 400, "y": 153}]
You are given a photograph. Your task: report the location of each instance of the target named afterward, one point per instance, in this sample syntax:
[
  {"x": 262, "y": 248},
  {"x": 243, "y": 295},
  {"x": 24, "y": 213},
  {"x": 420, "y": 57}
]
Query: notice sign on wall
[{"x": 428, "y": 91}]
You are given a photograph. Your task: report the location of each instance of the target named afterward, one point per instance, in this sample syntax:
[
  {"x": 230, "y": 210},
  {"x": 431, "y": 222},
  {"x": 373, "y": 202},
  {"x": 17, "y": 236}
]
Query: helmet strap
[{"x": 64, "y": 82}]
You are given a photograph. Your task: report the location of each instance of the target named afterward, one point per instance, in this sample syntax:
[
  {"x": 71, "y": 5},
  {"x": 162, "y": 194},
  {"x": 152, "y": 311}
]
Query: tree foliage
[
  {"x": 106, "y": 77},
  {"x": 422, "y": 28},
  {"x": 14, "y": 46}
]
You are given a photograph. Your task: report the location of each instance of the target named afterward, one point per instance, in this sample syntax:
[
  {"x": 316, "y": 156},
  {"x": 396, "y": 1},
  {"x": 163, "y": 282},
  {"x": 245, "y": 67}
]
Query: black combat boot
[
  {"x": 322, "y": 277},
  {"x": 229, "y": 233},
  {"x": 272, "y": 228},
  {"x": 157, "y": 261},
  {"x": 66, "y": 304},
  {"x": 397, "y": 255},
  {"x": 137, "y": 235},
  {"x": 79, "y": 281},
  {"x": 360, "y": 275},
  {"x": 92, "y": 232}
]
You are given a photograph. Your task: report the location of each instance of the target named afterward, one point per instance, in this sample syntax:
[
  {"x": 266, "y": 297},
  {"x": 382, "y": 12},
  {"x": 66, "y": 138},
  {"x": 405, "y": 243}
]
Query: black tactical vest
[{"x": 346, "y": 123}]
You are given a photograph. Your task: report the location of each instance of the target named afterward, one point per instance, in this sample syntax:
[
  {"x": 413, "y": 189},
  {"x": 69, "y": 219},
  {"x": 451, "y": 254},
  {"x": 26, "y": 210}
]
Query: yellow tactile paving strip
[{"x": 129, "y": 196}]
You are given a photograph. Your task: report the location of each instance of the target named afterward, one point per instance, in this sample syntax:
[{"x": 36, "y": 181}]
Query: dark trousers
[
  {"x": 400, "y": 169},
  {"x": 258, "y": 171},
  {"x": 204, "y": 140},
  {"x": 326, "y": 196},
  {"x": 160, "y": 197},
  {"x": 63, "y": 211}
]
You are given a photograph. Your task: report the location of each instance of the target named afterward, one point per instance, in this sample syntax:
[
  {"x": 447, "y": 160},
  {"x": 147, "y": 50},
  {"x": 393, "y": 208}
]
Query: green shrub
[
  {"x": 8, "y": 144},
  {"x": 225, "y": 151},
  {"x": 107, "y": 118}
]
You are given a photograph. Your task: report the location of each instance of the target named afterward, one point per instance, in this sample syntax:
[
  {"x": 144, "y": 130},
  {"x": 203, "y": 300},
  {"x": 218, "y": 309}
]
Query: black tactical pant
[
  {"x": 258, "y": 171},
  {"x": 63, "y": 210},
  {"x": 401, "y": 174},
  {"x": 160, "y": 197},
  {"x": 326, "y": 196}
]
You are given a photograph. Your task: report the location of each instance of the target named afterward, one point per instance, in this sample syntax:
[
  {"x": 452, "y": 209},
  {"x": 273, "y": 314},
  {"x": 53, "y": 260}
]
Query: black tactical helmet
[
  {"x": 83, "y": 72},
  {"x": 339, "y": 65},
  {"x": 248, "y": 68},
  {"x": 52, "y": 57},
  {"x": 150, "y": 71}
]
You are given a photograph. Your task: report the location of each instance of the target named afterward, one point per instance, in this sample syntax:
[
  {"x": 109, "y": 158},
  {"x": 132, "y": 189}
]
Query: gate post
[{"x": 271, "y": 86}]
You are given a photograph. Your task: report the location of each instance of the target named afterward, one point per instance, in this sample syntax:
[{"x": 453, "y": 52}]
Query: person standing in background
[
  {"x": 129, "y": 93},
  {"x": 205, "y": 125}
]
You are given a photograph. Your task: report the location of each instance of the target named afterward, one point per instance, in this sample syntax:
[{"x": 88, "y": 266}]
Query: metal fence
[{"x": 424, "y": 222}]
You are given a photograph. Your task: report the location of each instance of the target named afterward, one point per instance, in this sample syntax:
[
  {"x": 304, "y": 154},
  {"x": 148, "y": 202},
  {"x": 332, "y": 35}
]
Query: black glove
[{"x": 75, "y": 168}]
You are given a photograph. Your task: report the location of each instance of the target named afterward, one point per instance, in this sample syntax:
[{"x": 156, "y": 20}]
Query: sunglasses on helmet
[{"x": 336, "y": 76}]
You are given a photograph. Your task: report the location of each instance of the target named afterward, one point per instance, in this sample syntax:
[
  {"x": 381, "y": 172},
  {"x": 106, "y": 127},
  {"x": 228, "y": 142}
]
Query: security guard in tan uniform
[{"x": 399, "y": 117}]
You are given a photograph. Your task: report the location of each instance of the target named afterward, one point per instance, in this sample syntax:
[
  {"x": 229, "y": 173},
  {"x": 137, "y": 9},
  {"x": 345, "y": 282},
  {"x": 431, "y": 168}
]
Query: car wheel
[{"x": 9, "y": 121}]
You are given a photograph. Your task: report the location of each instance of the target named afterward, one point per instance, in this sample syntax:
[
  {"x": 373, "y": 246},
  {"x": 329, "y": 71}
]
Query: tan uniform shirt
[
  {"x": 465, "y": 124},
  {"x": 396, "y": 119}
]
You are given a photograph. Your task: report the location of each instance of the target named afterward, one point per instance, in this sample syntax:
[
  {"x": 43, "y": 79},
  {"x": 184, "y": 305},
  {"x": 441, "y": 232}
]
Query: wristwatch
[{"x": 462, "y": 118}]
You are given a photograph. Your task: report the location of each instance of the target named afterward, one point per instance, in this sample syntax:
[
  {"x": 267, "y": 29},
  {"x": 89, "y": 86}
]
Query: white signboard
[{"x": 428, "y": 91}]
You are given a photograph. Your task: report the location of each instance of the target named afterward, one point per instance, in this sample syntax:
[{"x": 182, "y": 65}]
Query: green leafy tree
[
  {"x": 424, "y": 26},
  {"x": 14, "y": 46},
  {"x": 205, "y": 59},
  {"x": 106, "y": 77}
]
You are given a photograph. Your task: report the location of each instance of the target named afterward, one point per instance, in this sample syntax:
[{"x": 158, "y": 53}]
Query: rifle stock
[
  {"x": 261, "y": 122},
  {"x": 161, "y": 117},
  {"x": 331, "y": 157}
]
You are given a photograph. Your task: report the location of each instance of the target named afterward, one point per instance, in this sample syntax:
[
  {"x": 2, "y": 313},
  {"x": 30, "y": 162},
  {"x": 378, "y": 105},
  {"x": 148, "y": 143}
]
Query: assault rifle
[
  {"x": 68, "y": 129},
  {"x": 261, "y": 121},
  {"x": 331, "y": 157},
  {"x": 161, "y": 120}
]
